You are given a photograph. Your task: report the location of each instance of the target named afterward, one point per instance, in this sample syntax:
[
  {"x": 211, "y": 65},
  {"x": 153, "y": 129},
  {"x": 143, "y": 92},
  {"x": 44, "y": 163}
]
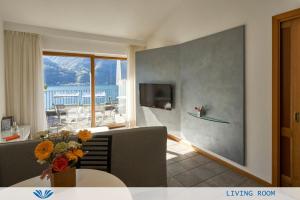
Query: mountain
[{"x": 59, "y": 71}]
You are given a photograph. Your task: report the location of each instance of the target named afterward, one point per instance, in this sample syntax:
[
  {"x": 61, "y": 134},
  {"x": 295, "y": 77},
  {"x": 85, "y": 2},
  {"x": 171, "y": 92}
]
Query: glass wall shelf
[{"x": 208, "y": 118}]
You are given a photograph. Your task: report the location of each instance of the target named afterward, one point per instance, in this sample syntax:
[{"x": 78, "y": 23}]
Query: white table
[
  {"x": 24, "y": 134},
  {"x": 84, "y": 178}
]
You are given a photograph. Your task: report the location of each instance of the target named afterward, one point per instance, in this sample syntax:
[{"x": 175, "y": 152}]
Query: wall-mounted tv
[{"x": 156, "y": 95}]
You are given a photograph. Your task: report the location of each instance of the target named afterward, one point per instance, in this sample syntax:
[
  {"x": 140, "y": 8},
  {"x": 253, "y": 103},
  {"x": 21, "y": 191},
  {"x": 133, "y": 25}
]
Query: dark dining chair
[{"x": 98, "y": 153}]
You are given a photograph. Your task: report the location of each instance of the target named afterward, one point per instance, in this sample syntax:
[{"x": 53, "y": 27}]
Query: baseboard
[{"x": 222, "y": 162}]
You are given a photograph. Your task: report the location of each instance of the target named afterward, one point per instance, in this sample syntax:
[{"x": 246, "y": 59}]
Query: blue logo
[{"x": 41, "y": 195}]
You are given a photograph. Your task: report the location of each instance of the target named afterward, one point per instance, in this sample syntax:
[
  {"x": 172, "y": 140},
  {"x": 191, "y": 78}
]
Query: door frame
[{"x": 276, "y": 22}]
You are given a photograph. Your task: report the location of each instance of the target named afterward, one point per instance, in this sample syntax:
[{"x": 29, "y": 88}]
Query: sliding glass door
[
  {"x": 83, "y": 90},
  {"x": 110, "y": 91}
]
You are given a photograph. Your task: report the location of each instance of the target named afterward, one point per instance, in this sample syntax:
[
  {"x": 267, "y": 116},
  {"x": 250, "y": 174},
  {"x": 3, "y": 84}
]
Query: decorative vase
[{"x": 66, "y": 178}]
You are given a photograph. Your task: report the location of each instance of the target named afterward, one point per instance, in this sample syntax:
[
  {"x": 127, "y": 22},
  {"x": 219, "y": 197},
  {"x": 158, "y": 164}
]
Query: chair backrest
[
  {"x": 60, "y": 108},
  {"x": 109, "y": 107},
  {"x": 98, "y": 154}
]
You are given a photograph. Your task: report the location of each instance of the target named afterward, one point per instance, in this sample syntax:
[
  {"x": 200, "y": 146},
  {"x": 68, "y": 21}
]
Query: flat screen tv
[{"x": 156, "y": 95}]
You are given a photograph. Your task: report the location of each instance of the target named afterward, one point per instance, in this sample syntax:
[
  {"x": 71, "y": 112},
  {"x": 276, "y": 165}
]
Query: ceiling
[{"x": 131, "y": 19}]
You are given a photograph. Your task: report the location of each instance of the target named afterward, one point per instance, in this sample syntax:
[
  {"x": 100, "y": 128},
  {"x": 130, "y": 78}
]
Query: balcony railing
[{"x": 79, "y": 95}]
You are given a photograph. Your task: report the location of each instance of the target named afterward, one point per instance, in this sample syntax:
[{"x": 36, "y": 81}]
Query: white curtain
[
  {"x": 131, "y": 88},
  {"x": 131, "y": 85},
  {"x": 24, "y": 79}
]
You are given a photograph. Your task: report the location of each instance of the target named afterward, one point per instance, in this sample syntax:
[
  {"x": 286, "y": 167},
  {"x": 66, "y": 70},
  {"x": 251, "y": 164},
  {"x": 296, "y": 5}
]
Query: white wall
[
  {"x": 2, "y": 78},
  {"x": 53, "y": 43},
  {"x": 197, "y": 18},
  {"x": 72, "y": 41}
]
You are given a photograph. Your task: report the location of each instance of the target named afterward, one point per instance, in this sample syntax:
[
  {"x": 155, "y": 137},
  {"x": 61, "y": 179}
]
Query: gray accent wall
[
  {"x": 208, "y": 71},
  {"x": 159, "y": 66}
]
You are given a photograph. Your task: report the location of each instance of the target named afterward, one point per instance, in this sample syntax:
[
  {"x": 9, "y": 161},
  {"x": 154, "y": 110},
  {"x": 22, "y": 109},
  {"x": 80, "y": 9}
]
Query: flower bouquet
[{"x": 61, "y": 154}]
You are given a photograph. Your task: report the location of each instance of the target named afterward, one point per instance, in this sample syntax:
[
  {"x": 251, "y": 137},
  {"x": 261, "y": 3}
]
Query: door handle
[{"x": 297, "y": 117}]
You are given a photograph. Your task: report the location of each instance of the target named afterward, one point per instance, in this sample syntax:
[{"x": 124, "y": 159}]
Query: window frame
[{"x": 92, "y": 57}]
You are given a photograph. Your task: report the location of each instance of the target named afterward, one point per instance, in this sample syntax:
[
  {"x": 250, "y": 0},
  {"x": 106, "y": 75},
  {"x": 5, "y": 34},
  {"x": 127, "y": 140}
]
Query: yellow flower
[
  {"x": 43, "y": 150},
  {"x": 71, "y": 156},
  {"x": 78, "y": 152},
  {"x": 84, "y": 135}
]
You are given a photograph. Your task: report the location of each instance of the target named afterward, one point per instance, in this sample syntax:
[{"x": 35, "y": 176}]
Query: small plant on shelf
[{"x": 200, "y": 111}]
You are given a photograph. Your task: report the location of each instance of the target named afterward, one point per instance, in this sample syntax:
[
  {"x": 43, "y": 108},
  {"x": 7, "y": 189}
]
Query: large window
[{"x": 84, "y": 91}]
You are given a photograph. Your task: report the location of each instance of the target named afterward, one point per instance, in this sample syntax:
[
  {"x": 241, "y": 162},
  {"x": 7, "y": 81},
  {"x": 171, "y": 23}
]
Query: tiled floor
[{"x": 186, "y": 168}]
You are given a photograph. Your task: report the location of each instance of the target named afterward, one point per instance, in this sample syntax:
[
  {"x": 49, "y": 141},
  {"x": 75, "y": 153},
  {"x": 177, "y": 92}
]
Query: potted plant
[{"x": 61, "y": 154}]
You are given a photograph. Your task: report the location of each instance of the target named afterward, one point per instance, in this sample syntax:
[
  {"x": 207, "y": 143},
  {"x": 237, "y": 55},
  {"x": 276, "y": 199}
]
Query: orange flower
[
  {"x": 78, "y": 152},
  {"x": 71, "y": 156},
  {"x": 43, "y": 150},
  {"x": 84, "y": 135}
]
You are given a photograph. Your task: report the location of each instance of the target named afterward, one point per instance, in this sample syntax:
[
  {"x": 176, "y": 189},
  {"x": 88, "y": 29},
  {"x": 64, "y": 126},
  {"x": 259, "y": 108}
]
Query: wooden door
[{"x": 290, "y": 103}]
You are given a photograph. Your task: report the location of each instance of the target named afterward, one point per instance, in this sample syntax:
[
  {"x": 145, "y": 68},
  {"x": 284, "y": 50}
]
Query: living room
[{"x": 149, "y": 93}]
